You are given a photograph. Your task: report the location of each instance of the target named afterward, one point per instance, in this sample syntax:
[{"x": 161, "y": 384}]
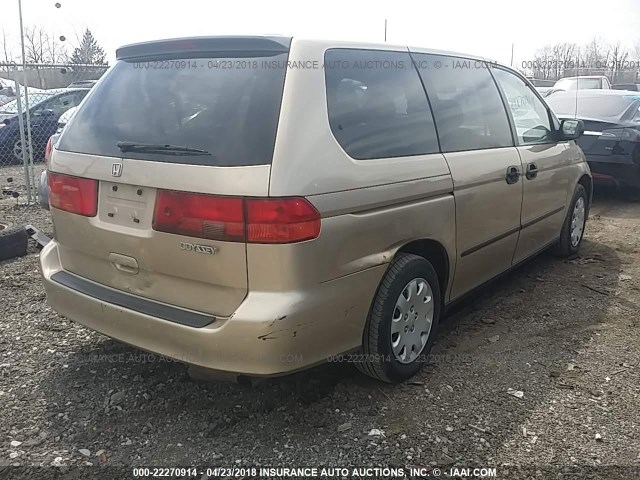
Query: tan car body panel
[
  {"x": 280, "y": 308},
  {"x": 547, "y": 197},
  {"x": 206, "y": 283},
  {"x": 486, "y": 209}
]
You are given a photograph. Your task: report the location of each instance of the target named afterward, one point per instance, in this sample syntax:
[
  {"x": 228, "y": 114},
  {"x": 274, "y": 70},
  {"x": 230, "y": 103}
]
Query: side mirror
[{"x": 570, "y": 129}]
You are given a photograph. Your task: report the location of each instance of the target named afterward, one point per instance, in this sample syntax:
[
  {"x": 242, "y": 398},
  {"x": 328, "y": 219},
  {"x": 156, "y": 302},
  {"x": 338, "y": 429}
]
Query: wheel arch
[
  {"x": 434, "y": 252},
  {"x": 587, "y": 182}
]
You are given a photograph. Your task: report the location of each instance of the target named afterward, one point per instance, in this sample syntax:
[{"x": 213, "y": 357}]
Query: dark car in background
[
  {"x": 632, "y": 87},
  {"x": 45, "y": 108},
  {"x": 83, "y": 84},
  {"x": 541, "y": 82},
  {"x": 611, "y": 140}
]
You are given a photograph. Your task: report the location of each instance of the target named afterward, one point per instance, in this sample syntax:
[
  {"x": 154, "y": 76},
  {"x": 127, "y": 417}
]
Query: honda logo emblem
[{"x": 116, "y": 169}]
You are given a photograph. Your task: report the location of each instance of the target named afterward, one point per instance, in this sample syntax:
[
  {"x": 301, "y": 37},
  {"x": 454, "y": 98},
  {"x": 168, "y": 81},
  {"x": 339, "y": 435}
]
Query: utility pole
[
  {"x": 511, "y": 64},
  {"x": 385, "y": 30},
  {"x": 26, "y": 145}
]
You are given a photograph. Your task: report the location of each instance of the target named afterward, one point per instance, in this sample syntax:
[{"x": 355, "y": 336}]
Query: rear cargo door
[{"x": 175, "y": 135}]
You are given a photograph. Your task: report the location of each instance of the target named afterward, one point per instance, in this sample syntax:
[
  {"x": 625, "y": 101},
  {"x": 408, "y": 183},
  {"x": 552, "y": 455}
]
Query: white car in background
[
  {"x": 43, "y": 186},
  {"x": 8, "y": 91},
  {"x": 592, "y": 82}
]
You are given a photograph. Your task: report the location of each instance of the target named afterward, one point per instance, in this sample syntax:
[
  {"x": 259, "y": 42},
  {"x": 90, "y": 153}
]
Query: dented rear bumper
[{"x": 270, "y": 333}]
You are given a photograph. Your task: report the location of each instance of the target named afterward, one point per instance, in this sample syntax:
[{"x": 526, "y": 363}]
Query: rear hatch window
[{"x": 223, "y": 107}]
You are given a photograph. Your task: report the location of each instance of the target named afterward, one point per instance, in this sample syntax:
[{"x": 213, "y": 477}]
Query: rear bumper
[{"x": 270, "y": 333}]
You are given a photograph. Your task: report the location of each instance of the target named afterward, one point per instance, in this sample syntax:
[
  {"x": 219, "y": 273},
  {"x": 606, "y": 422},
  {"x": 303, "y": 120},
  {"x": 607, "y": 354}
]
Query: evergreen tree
[{"x": 89, "y": 52}]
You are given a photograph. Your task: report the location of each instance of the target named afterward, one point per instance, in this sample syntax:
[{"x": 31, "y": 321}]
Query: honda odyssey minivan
[{"x": 259, "y": 205}]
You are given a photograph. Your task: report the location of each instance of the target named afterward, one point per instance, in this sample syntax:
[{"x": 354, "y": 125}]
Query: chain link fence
[{"x": 35, "y": 102}]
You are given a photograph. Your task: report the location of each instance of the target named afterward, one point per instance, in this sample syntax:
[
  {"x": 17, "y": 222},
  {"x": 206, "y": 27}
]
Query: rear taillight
[
  {"x": 202, "y": 216},
  {"x": 73, "y": 194},
  {"x": 281, "y": 220},
  {"x": 235, "y": 219},
  {"x": 47, "y": 151}
]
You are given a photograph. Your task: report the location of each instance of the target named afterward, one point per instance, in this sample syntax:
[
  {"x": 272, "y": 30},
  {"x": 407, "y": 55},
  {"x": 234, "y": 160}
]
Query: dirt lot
[{"x": 563, "y": 333}]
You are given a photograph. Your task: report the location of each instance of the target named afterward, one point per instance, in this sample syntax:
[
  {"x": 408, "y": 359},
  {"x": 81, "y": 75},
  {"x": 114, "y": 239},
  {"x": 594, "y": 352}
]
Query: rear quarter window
[
  {"x": 376, "y": 104},
  {"x": 226, "y": 106}
]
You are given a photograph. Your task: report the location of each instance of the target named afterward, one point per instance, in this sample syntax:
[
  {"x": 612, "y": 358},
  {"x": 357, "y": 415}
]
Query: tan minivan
[{"x": 259, "y": 205}]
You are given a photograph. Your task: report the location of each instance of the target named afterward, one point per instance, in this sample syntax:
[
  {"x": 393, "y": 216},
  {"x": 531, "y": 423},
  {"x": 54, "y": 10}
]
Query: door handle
[
  {"x": 513, "y": 175},
  {"x": 532, "y": 171}
]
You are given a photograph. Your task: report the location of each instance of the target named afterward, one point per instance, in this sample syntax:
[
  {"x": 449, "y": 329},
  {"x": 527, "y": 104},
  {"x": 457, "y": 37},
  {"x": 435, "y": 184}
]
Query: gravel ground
[{"x": 564, "y": 333}]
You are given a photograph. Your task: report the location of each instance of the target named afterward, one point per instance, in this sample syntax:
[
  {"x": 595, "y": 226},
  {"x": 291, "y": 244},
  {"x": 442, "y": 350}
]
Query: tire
[
  {"x": 13, "y": 241},
  {"x": 17, "y": 151},
  {"x": 379, "y": 359},
  {"x": 566, "y": 246}
]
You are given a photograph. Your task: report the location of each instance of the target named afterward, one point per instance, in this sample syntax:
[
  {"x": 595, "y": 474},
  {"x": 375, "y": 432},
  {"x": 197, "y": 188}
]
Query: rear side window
[
  {"x": 228, "y": 107},
  {"x": 377, "y": 105},
  {"x": 467, "y": 106}
]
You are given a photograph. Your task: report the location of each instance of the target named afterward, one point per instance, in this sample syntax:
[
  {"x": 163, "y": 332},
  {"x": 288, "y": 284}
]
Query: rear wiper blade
[{"x": 159, "y": 149}]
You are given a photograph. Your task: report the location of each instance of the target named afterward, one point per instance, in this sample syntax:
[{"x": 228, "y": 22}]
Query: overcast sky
[{"x": 481, "y": 27}]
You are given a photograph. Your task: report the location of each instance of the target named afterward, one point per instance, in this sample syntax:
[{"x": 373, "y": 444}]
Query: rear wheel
[
  {"x": 574, "y": 224},
  {"x": 17, "y": 151},
  {"x": 402, "y": 323}
]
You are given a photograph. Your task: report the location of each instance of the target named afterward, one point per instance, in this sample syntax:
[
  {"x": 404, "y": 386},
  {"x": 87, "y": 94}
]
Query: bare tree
[
  {"x": 542, "y": 63},
  {"x": 56, "y": 51},
  {"x": 551, "y": 60},
  {"x": 595, "y": 58},
  {"x": 617, "y": 62},
  {"x": 35, "y": 41},
  {"x": 595, "y": 55},
  {"x": 35, "y": 44},
  {"x": 564, "y": 55},
  {"x": 40, "y": 47},
  {"x": 8, "y": 56}
]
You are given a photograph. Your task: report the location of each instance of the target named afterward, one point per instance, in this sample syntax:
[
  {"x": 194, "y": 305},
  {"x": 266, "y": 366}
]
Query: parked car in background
[
  {"x": 46, "y": 107},
  {"x": 83, "y": 84},
  {"x": 257, "y": 223},
  {"x": 544, "y": 90},
  {"x": 539, "y": 82},
  {"x": 631, "y": 87},
  {"x": 6, "y": 94},
  {"x": 43, "y": 186},
  {"x": 593, "y": 82},
  {"x": 611, "y": 141}
]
